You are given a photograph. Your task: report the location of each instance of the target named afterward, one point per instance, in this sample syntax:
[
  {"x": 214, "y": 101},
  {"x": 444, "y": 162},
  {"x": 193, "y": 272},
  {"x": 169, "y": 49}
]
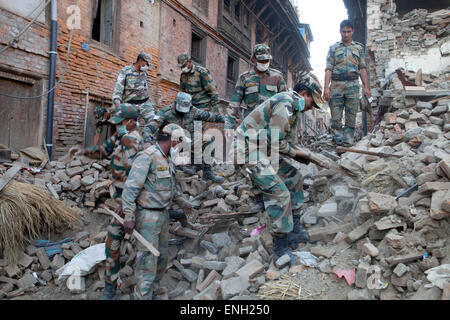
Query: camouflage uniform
[
  {"x": 252, "y": 89},
  {"x": 131, "y": 87},
  {"x": 149, "y": 190},
  {"x": 200, "y": 85},
  {"x": 282, "y": 190},
  {"x": 345, "y": 63},
  {"x": 169, "y": 115},
  {"x": 122, "y": 149}
]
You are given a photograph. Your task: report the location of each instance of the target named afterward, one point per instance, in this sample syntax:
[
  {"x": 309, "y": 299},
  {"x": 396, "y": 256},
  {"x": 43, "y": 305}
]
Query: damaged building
[
  {"x": 219, "y": 35},
  {"x": 377, "y": 219}
]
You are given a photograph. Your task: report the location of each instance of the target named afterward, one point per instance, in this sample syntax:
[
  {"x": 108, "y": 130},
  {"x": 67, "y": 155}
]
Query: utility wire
[
  {"x": 56, "y": 84},
  {"x": 16, "y": 38}
]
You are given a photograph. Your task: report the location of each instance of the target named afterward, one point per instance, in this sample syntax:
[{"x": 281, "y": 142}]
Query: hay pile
[
  {"x": 27, "y": 212},
  {"x": 287, "y": 288}
]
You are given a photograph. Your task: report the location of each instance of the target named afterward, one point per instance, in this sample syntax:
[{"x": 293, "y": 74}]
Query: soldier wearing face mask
[
  {"x": 122, "y": 147},
  {"x": 131, "y": 87},
  {"x": 182, "y": 113},
  {"x": 256, "y": 85},
  {"x": 198, "y": 82}
]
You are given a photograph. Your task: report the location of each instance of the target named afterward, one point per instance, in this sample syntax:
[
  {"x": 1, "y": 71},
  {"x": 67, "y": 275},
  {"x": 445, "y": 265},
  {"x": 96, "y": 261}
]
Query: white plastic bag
[
  {"x": 83, "y": 262},
  {"x": 439, "y": 276}
]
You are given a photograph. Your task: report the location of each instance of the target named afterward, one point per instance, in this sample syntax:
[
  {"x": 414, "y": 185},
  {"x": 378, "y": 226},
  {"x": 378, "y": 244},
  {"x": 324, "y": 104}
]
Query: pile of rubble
[{"x": 418, "y": 37}]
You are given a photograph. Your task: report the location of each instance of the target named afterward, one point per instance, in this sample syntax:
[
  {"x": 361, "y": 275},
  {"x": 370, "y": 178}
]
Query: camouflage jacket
[
  {"x": 123, "y": 150},
  {"x": 169, "y": 115},
  {"x": 279, "y": 114},
  {"x": 252, "y": 89},
  {"x": 200, "y": 85},
  {"x": 130, "y": 85},
  {"x": 150, "y": 184},
  {"x": 342, "y": 60}
]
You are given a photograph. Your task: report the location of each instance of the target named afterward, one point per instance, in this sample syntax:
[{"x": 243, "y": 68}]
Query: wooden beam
[
  {"x": 263, "y": 9},
  {"x": 10, "y": 174}
]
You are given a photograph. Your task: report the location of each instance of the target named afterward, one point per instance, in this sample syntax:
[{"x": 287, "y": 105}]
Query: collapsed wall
[{"x": 419, "y": 39}]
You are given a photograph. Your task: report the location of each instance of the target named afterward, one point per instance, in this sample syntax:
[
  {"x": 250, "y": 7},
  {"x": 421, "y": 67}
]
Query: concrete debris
[{"x": 387, "y": 212}]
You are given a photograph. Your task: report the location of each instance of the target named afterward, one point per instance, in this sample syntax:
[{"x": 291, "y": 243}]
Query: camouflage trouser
[
  {"x": 146, "y": 112},
  {"x": 113, "y": 243},
  {"x": 344, "y": 95},
  {"x": 153, "y": 225},
  {"x": 282, "y": 191}
]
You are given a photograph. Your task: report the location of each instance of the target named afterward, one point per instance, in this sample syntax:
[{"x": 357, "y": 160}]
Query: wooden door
[{"x": 20, "y": 118}]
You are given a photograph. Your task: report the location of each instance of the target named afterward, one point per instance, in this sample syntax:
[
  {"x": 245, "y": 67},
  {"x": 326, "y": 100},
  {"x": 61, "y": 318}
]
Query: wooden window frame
[{"x": 115, "y": 37}]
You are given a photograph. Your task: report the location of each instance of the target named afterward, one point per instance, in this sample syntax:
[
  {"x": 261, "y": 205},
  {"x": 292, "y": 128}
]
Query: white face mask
[
  {"x": 185, "y": 70},
  {"x": 143, "y": 69},
  {"x": 173, "y": 152},
  {"x": 262, "y": 66}
]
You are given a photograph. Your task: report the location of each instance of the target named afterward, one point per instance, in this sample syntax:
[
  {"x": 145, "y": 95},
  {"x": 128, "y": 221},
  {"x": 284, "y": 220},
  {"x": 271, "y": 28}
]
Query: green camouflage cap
[
  {"x": 262, "y": 52},
  {"x": 147, "y": 57},
  {"x": 125, "y": 111},
  {"x": 182, "y": 58},
  {"x": 183, "y": 101},
  {"x": 311, "y": 81}
]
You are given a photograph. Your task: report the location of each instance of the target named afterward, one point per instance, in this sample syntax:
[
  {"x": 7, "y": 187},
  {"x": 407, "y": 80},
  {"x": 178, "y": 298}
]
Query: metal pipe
[{"x": 51, "y": 77}]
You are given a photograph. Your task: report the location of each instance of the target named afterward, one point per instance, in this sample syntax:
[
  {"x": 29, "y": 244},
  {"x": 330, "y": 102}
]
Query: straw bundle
[
  {"x": 287, "y": 288},
  {"x": 27, "y": 212}
]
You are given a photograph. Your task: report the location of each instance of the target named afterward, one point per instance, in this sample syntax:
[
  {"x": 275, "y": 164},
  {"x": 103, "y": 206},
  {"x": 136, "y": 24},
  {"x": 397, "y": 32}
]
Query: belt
[
  {"x": 344, "y": 77},
  {"x": 138, "y": 101},
  {"x": 157, "y": 209}
]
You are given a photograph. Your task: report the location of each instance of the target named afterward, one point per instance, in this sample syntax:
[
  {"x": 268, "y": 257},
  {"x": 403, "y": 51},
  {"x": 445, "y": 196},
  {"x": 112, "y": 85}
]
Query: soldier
[
  {"x": 257, "y": 85},
  {"x": 123, "y": 145},
  {"x": 131, "y": 87},
  {"x": 147, "y": 195},
  {"x": 282, "y": 189},
  {"x": 198, "y": 82},
  {"x": 254, "y": 87},
  {"x": 345, "y": 64},
  {"x": 184, "y": 114}
]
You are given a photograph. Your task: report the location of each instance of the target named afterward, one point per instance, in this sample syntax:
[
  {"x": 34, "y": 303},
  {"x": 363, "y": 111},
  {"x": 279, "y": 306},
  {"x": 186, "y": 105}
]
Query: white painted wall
[
  {"x": 24, "y": 8},
  {"x": 432, "y": 61}
]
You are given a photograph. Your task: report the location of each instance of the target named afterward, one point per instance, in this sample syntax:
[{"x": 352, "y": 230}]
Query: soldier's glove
[
  {"x": 119, "y": 210},
  {"x": 128, "y": 224}
]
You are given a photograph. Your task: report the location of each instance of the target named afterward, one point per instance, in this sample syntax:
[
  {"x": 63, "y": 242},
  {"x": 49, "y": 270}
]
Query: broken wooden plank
[
  {"x": 410, "y": 257},
  {"x": 138, "y": 236},
  {"x": 226, "y": 215},
  {"x": 4, "y": 180}
]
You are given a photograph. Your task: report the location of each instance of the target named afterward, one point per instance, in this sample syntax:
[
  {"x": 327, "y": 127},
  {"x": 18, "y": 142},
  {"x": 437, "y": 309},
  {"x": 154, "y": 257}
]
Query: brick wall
[
  {"x": 216, "y": 62},
  {"x": 95, "y": 71}
]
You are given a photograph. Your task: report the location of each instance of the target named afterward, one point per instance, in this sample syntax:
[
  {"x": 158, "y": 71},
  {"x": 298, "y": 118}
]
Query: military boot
[
  {"x": 298, "y": 234},
  {"x": 109, "y": 293},
  {"x": 337, "y": 136},
  {"x": 348, "y": 140},
  {"x": 280, "y": 248},
  {"x": 208, "y": 174}
]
